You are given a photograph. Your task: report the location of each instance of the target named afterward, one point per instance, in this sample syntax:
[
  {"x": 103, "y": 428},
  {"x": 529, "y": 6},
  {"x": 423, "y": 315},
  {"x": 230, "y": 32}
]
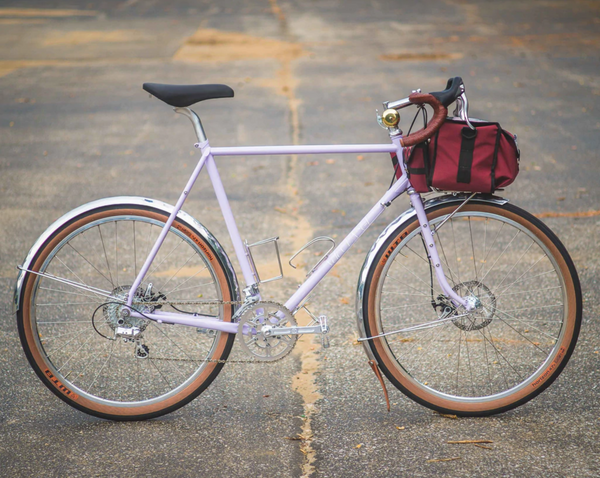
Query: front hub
[{"x": 482, "y": 302}]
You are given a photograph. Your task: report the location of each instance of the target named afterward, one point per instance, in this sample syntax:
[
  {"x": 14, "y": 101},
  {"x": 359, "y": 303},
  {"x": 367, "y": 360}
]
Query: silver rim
[
  {"x": 107, "y": 254},
  {"x": 508, "y": 343}
]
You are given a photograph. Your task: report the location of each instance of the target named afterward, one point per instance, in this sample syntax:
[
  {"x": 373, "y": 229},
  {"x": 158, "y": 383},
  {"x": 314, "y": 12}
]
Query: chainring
[{"x": 257, "y": 320}]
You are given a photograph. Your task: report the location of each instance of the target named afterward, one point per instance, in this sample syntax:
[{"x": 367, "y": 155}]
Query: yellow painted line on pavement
[{"x": 45, "y": 12}]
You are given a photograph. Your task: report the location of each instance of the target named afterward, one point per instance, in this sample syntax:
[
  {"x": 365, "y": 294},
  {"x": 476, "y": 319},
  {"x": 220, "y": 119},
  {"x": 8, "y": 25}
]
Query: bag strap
[{"x": 465, "y": 160}]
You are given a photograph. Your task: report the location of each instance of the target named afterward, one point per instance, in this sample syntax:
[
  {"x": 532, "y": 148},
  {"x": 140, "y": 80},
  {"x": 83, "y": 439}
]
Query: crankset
[{"x": 268, "y": 330}]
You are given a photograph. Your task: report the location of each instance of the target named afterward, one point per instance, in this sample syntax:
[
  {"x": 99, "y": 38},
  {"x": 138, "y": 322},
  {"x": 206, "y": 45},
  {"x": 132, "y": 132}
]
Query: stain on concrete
[
  {"x": 84, "y": 37},
  {"x": 208, "y": 45},
  {"x": 45, "y": 12},
  {"x": 410, "y": 56},
  {"x": 22, "y": 21}
]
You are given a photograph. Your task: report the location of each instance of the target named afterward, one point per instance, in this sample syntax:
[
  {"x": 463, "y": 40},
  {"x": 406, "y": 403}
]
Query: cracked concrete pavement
[{"x": 76, "y": 126}]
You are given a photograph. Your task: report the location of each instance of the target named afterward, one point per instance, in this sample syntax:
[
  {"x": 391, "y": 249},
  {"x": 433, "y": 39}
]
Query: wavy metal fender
[
  {"x": 124, "y": 201},
  {"x": 404, "y": 218}
]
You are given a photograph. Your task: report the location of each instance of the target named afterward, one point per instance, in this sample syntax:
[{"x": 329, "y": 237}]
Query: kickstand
[{"x": 375, "y": 368}]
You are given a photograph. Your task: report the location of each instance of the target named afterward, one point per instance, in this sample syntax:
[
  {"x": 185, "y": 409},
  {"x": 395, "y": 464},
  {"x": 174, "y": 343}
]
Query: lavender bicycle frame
[{"x": 207, "y": 159}]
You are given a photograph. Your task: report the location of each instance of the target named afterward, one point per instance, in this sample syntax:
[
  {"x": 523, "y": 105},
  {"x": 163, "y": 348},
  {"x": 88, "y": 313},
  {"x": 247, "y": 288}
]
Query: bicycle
[{"x": 124, "y": 325}]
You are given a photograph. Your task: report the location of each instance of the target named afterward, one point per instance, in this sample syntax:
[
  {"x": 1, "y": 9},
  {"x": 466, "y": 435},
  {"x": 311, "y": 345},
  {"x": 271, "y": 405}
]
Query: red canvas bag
[{"x": 458, "y": 158}]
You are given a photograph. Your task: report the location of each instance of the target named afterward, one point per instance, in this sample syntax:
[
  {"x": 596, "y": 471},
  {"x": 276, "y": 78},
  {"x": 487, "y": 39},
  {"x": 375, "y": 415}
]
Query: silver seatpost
[{"x": 195, "y": 119}]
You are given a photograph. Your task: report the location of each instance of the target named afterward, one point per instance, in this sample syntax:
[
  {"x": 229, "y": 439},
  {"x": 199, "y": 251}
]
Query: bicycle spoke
[
  {"x": 496, "y": 351},
  {"x": 419, "y": 292},
  {"x": 487, "y": 351},
  {"x": 156, "y": 327},
  {"x": 93, "y": 266},
  {"x": 91, "y": 386},
  {"x": 187, "y": 280},
  {"x": 446, "y": 264},
  {"x": 469, "y": 363},
  {"x": 71, "y": 293},
  {"x": 526, "y": 338},
  {"x": 117, "y": 251},
  {"x": 51, "y": 352},
  {"x": 516, "y": 263},
  {"x": 75, "y": 352},
  {"x": 455, "y": 250},
  {"x": 500, "y": 256},
  {"x": 528, "y": 291},
  {"x": 491, "y": 248},
  {"x": 473, "y": 249},
  {"x": 528, "y": 325},
  {"x": 67, "y": 303},
  {"x": 134, "y": 251},
  {"x": 106, "y": 256},
  {"x": 491, "y": 342},
  {"x": 165, "y": 258},
  {"x": 426, "y": 260},
  {"x": 178, "y": 270}
]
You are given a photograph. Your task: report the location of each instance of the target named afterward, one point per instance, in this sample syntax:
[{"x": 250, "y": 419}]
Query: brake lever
[{"x": 462, "y": 107}]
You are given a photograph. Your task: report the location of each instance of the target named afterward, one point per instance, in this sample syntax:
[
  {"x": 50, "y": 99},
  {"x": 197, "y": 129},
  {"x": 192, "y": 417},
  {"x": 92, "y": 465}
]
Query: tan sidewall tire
[
  {"x": 40, "y": 365},
  {"x": 409, "y": 386}
]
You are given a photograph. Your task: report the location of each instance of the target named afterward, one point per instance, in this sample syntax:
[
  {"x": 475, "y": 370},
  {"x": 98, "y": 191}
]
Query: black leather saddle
[{"x": 186, "y": 95}]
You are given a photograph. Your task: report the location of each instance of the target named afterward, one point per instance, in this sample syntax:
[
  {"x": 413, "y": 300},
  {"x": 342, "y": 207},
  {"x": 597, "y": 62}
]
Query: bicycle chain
[{"x": 207, "y": 302}]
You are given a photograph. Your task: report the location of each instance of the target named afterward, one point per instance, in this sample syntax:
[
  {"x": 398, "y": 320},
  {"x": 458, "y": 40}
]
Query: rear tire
[
  {"x": 503, "y": 354},
  {"x": 68, "y": 334}
]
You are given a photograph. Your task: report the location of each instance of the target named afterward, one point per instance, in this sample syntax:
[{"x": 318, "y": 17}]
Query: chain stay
[{"x": 206, "y": 302}]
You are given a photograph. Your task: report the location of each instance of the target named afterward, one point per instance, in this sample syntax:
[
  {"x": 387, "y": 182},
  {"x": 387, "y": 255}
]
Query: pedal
[
  {"x": 318, "y": 326},
  {"x": 324, "y": 331}
]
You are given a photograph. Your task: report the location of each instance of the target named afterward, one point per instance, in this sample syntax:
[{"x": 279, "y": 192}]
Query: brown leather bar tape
[{"x": 439, "y": 116}]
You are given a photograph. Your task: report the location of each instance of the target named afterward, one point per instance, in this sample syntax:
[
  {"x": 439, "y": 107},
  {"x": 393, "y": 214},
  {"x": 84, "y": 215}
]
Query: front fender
[
  {"x": 124, "y": 201},
  {"x": 406, "y": 217}
]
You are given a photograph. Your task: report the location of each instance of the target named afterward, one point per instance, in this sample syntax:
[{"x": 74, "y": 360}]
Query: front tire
[{"x": 504, "y": 353}]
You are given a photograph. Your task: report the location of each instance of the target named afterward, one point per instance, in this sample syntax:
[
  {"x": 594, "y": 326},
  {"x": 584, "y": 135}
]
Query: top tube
[{"x": 304, "y": 149}]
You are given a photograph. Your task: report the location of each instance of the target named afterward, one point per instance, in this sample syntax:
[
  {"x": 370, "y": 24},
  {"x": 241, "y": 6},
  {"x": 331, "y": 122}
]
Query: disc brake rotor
[
  {"x": 481, "y": 316},
  {"x": 256, "y": 327}
]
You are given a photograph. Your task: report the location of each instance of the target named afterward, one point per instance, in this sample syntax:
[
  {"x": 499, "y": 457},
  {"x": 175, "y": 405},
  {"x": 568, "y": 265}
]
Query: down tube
[{"x": 307, "y": 286}]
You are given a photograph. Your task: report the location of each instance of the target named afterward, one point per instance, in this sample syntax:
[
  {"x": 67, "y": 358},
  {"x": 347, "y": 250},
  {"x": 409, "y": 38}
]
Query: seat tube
[
  {"x": 234, "y": 234},
  {"x": 168, "y": 224}
]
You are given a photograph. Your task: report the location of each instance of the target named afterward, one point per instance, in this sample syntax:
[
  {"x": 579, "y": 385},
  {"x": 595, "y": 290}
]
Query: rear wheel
[
  {"x": 511, "y": 346},
  {"x": 68, "y": 327}
]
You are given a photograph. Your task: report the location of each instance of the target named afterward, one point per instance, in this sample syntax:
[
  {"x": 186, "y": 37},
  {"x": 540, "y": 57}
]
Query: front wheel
[
  {"x": 69, "y": 320},
  {"x": 507, "y": 350}
]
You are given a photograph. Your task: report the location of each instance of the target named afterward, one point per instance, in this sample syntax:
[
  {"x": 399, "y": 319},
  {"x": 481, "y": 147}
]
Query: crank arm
[{"x": 314, "y": 329}]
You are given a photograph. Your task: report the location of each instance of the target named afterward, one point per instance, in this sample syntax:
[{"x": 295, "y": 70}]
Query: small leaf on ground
[
  {"x": 447, "y": 415},
  {"x": 443, "y": 459},
  {"x": 483, "y": 446},
  {"x": 464, "y": 442}
]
